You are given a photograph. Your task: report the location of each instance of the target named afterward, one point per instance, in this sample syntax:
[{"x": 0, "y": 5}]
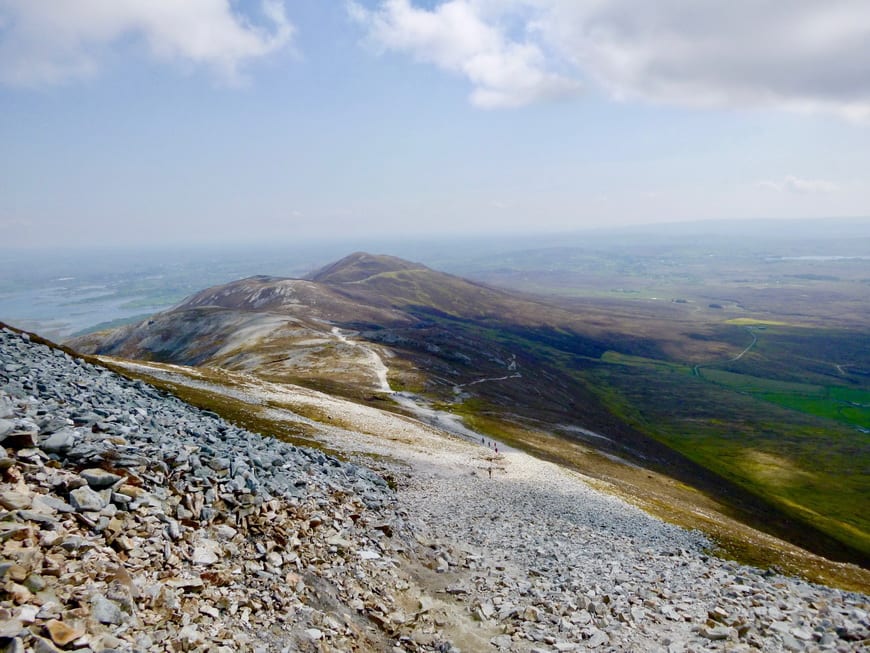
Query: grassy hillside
[{"x": 813, "y": 468}]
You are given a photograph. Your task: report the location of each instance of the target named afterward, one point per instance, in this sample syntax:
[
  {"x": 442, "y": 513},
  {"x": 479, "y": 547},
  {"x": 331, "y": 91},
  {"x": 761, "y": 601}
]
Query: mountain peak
[{"x": 360, "y": 266}]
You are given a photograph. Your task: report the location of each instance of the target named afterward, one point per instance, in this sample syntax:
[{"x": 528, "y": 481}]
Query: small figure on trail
[
  {"x": 490, "y": 471},
  {"x": 496, "y": 448}
]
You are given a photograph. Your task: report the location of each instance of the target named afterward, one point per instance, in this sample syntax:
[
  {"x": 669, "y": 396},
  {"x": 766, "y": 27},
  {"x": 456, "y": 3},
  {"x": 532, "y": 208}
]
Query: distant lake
[{"x": 61, "y": 293}]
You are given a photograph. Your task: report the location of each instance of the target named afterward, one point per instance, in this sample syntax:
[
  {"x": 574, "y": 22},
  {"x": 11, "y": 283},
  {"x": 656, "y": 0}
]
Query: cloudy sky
[{"x": 139, "y": 121}]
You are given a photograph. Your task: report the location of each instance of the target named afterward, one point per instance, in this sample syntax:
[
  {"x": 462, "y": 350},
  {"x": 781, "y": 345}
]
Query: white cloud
[
  {"x": 792, "y": 184},
  {"x": 800, "y": 54},
  {"x": 43, "y": 43},
  {"x": 456, "y": 37},
  {"x": 809, "y": 55}
]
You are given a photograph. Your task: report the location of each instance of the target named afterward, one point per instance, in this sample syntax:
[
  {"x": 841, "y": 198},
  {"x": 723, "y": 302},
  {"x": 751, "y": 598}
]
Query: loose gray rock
[
  {"x": 60, "y": 442},
  {"x": 84, "y": 499},
  {"x": 12, "y": 500},
  {"x": 5, "y": 407},
  {"x": 219, "y": 539},
  {"x": 99, "y": 478},
  {"x": 106, "y": 612}
]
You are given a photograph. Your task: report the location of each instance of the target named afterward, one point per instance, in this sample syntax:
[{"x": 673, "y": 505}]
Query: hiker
[{"x": 490, "y": 471}]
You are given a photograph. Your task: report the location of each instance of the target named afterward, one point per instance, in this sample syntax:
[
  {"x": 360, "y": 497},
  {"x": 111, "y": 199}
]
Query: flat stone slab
[{"x": 100, "y": 478}]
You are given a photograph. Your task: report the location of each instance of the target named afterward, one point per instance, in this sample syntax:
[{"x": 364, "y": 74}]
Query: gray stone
[
  {"x": 828, "y": 639},
  {"x": 48, "y": 504},
  {"x": 10, "y": 530},
  {"x": 6, "y": 426},
  {"x": 12, "y": 500},
  {"x": 84, "y": 499},
  {"x": 6, "y": 408},
  {"x": 15, "y": 645},
  {"x": 106, "y": 612},
  {"x": 60, "y": 442},
  {"x": 11, "y": 628},
  {"x": 715, "y": 633},
  {"x": 99, "y": 478},
  {"x": 35, "y": 583},
  {"x": 46, "y": 521},
  {"x": 53, "y": 424},
  {"x": 804, "y": 634},
  {"x": 206, "y": 552},
  {"x": 598, "y": 638},
  {"x": 790, "y": 643},
  {"x": 42, "y": 645}
]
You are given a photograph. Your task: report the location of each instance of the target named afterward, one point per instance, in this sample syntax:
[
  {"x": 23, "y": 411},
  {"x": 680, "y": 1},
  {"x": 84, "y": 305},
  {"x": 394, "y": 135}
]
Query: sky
[{"x": 128, "y": 122}]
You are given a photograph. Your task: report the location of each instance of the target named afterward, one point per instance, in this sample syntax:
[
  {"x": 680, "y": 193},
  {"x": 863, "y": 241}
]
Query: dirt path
[{"x": 372, "y": 359}]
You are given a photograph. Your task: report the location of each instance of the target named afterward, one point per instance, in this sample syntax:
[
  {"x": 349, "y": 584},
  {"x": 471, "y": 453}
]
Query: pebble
[{"x": 105, "y": 611}]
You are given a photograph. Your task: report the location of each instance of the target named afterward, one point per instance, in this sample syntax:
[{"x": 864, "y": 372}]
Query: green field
[
  {"x": 796, "y": 444},
  {"x": 847, "y": 405},
  {"x": 777, "y": 414}
]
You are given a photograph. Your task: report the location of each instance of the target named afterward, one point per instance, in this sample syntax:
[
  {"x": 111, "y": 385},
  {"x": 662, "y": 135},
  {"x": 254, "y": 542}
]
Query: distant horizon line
[{"x": 692, "y": 227}]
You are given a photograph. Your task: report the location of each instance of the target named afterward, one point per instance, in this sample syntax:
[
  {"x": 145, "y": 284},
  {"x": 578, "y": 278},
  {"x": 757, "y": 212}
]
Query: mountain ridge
[{"x": 498, "y": 358}]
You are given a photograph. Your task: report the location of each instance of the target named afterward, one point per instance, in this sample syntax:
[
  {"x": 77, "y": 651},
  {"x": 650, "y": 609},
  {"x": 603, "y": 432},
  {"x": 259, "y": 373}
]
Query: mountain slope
[
  {"x": 231, "y": 541},
  {"x": 451, "y": 338},
  {"x": 504, "y": 361}
]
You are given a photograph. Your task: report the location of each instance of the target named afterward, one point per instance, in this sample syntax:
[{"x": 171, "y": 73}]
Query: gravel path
[{"x": 561, "y": 566}]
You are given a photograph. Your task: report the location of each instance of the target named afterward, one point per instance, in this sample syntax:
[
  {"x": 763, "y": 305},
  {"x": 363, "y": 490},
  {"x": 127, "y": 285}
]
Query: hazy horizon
[
  {"x": 852, "y": 226},
  {"x": 58, "y": 291}
]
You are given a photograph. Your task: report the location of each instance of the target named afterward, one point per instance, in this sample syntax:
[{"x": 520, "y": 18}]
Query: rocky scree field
[
  {"x": 133, "y": 522},
  {"x": 130, "y": 521}
]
